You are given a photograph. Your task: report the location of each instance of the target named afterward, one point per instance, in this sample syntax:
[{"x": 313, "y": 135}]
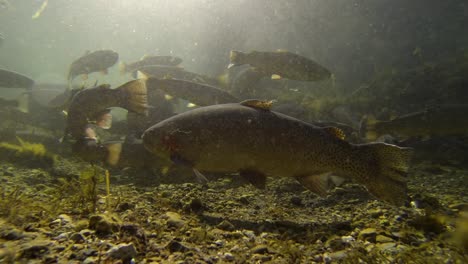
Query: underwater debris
[{"x": 32, "y": 155}]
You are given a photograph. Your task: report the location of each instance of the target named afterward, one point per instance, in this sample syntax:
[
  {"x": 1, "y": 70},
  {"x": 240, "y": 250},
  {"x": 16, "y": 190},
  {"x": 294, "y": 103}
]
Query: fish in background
[
  {"x": 167, "y": 72},
  {"x": 442, "y": 120},
  {"x": 131, "y": 96},
  {"x": 149, "y": 60},
  {"x": 281, "y": 64},
  {"x": 97, "y": 61},
  {"x": 11, "y": 79},
  {"x": 251, "y": 139},
  {"x": 196, "y": 93},
  {"x": 242, "y": 81}
]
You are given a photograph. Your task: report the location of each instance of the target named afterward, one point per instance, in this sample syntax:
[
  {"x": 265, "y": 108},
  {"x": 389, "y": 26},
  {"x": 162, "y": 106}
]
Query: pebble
[
  {"x": 386, "y": 246},
  {"x": 368, "y": 234},
  {"x": 124, "y": 252},
  {"x": 226, "y": 225},
  {"x": 77, "y": 238},
  {"x": 383, "y": 239},
  {"x": 228, "y": 256},
  {"x": 174, "y": 220},
  {"x": 176, "y": 246},
  {"x": 260, "y": 249},
  {"x": 104, "y": 224},
  {"x": 35, "y": 249},
  {"x": 11, "y": 234}
]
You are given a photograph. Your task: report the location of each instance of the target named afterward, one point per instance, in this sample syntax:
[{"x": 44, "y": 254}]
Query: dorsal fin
[
  {"x": 334, "y": 131},
  {"x": 259, "y": 104}
]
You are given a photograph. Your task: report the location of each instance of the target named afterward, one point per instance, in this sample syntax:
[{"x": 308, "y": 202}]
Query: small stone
[
  {"x": 338, "y": 255},
  {"x": 125, "y": 206},
  {"x": 335, "y": 243},
  {"x": 386, "y": 246},
  {"x": 34, "y": 249},
  {"x": 226, "y": 225},
  {"x": 11, "y": 234},
  {"x": 260, "y": 249},
  {"x": 176, "y": 246},
  {"x": 124, "y": 252},
  {"x": 77, "y": 238},
  {"x": 368, "y": 234},
  {"x": 219, "y": 243},
  {"x": 297, "y": 201},
  {"x": 104, "y": 224},
  {"x": 375, "y": 213},
  {"x": 383, "y": 239},
  {"x": 228, "y": 256},
  {"x": 245, "y": 199},
  {"x": 196, "y": 205},
  {"x": 347, "y": 239},
  {"x": 174, "y": 220}
]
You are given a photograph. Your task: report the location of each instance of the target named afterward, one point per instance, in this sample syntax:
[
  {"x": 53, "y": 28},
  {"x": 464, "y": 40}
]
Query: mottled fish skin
[
  {"x": 11, "y": 79},
  {"x": 442, "y": 120},
  {"x": 151, "y": 60},
  {"x": 88, "y": 102},
  {"x": 236, "y": 138},
  {"x": 286, "y": 64},
  {"x": 199, "y": 94},
  {"x": 95, "y": 61}
]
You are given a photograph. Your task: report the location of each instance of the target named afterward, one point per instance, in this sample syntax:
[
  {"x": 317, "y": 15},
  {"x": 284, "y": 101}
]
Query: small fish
[
  {"x": 97, "y": 61},
  {"x": 88, "y": 102},
  {"x": 258, "y": 142},
  {"x": 443, "y": 120},
  {"x": 282, "y": 64},
  {"x": 148, "y": 61},
  {"x": 10, "y": 79},
  {"x": 196, "y": 93}
]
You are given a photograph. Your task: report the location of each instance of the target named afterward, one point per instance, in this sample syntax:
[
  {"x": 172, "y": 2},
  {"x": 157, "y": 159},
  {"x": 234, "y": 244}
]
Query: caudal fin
[
  {"x": 386, "y": 173},
  {"x": 367, "y": 128},
  {"x": 134, "y": 96}
]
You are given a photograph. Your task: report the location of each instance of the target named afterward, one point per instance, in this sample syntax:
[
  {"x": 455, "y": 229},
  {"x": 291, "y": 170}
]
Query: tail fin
[
  {"x": 236, "y": 58},
  {"x": 122, "y": 68},
  {"x": 386, "y": 176},
  {"x": 367, "y": 128},
  {"x": 134, "y": 96}
]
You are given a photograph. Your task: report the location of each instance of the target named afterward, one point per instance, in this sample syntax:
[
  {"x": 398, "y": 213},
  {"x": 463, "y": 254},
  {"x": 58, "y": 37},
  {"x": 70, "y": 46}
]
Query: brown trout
[
  {"x": 199, "y": 94},
  {"x": 443, "y": 120},
  {"x": 88, "y": 102},
  {"x": 250, "y": 139},
  {"x": 97, "y": 61},
  {"x": 148, "y": 61},
  {"x": 285, "y": 64}
]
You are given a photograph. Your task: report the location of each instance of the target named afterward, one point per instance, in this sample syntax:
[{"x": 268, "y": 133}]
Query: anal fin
[
  {"x": 317, "y": 183},
  {"x": 255, "y": 178}
]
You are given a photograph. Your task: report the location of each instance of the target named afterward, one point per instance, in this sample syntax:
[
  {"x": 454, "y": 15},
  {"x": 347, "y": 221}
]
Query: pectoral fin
[
  {"x": 200, "y": 177},
  {"x": 256, "y": 178},
  {"x": 317, "y": 183}
]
